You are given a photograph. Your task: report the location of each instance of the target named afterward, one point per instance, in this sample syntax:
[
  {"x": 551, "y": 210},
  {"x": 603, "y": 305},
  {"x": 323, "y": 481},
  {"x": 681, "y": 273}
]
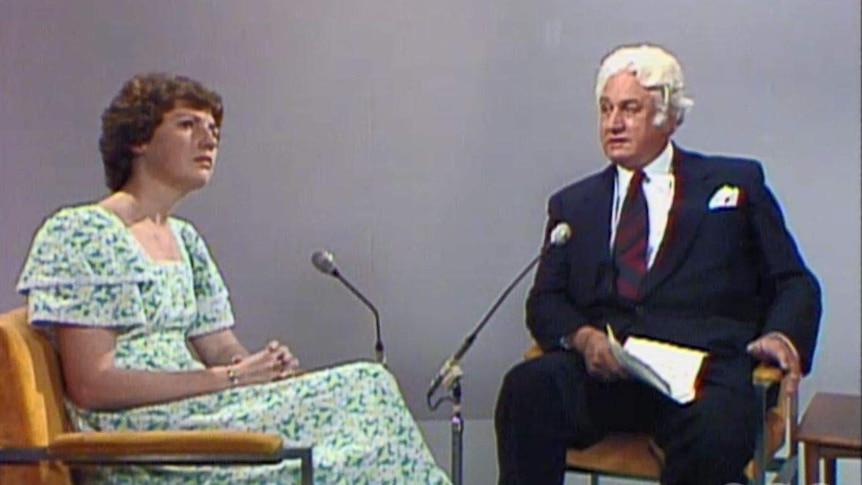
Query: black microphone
[
  {"x": 325, "y": 263},
  {"x": 559, "y": 236}
]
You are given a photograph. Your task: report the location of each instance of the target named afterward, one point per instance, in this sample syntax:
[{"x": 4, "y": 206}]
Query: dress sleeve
[
  {"x": 69, "y": 277},
  {"x": 214, "y": 311}
]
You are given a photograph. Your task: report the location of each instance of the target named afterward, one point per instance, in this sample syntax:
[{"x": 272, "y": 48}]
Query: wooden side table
[{"x": 831, "y": 428}]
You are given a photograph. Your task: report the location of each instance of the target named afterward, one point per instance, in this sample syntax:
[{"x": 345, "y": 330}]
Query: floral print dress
[{"x": 86, "y": 268}]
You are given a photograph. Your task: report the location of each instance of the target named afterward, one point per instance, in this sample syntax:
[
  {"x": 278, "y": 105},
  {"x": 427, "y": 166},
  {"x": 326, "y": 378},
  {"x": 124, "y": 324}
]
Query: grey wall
[{"x": 419, "y": 141}]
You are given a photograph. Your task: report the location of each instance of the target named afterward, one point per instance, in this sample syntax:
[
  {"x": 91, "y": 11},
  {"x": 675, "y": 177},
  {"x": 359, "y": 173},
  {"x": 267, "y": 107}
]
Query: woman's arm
[
  {"x": 93, "y": 382},
  {"x": 218, "y": 348}
]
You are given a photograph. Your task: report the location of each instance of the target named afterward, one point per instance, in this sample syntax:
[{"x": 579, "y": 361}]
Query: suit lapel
[
  {"x": 596, "y": 207},
  {"x": 691, "y": 195}
]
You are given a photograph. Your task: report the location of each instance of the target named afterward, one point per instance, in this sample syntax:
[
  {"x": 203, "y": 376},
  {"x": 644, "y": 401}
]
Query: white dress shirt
[{"x": 658, "y": 187}]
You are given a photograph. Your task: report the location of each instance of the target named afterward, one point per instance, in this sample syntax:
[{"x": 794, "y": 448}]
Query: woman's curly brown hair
[{"x": 137, "y": 110}]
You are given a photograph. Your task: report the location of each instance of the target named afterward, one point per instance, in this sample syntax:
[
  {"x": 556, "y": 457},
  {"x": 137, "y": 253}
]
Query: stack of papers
[{"x": 672, "y": 369}]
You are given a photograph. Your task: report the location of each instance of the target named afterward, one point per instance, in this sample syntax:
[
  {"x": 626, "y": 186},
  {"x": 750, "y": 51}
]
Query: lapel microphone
[{"x": 325, "y": 263}]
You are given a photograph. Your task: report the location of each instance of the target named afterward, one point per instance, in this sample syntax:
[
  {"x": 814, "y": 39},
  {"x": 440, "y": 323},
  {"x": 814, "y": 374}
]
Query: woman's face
[{"x": 182, "y": 151}]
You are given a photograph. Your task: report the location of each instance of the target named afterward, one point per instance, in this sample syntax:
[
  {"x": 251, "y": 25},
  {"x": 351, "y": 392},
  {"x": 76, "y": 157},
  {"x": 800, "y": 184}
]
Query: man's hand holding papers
[{"x": 672, "y": 369}]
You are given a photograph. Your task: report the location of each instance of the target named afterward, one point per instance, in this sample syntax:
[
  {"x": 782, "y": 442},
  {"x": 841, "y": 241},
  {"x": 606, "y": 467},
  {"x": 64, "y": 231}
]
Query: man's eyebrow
[{"x": 624, "y": 102}]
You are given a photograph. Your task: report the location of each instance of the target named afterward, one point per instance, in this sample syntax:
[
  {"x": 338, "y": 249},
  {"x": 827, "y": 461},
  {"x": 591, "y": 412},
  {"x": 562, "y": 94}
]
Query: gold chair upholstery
[
  {"x": 39, "y": 446},
  {"x": 636, "y": 455}
]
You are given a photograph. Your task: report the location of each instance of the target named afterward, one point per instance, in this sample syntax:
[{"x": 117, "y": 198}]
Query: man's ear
[
  {"x": 671, "y": 123},
  {"x": 678, "y": 119}
]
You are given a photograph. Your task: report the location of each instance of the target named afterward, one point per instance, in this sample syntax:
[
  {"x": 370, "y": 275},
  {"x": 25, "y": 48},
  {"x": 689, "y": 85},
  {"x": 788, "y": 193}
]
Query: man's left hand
[{"x": 772, "y": 348}]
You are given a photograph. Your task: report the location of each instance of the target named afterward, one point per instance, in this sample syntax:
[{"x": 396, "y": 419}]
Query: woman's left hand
[
  {"x": 272, "y": 363},
  {"x": 288, "y": 363}
]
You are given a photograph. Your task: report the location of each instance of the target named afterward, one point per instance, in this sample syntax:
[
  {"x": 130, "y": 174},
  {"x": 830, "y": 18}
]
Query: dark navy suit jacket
[{"x": 721, "y": 276}]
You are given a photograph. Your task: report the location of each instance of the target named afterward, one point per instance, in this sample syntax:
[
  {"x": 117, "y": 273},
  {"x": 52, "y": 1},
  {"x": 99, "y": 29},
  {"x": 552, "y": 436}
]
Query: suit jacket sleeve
[
  {"x": 794, "y": 295},
  {"x": 550, "y": 313}
]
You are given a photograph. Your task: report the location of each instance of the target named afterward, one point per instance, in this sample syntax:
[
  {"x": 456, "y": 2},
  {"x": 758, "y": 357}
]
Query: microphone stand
[
  {"x": 324, "y": 262},
  {"x": 379, "y": 356},
  {"x": 451, "y": 373}
]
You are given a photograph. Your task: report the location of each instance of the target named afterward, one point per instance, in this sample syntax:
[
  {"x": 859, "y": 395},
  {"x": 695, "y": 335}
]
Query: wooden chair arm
[
  {"x": 763, "y": 374},
  {"x": 216, "y": 442},
  {"x": 533, "y": 351},
  {"x": 766, "y": 374},
  {"x": 193, "y": 447}
]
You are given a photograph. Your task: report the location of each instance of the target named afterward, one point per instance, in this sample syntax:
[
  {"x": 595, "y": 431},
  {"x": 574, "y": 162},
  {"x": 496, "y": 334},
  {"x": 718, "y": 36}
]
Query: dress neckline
[{"x": 133, "y": 241}]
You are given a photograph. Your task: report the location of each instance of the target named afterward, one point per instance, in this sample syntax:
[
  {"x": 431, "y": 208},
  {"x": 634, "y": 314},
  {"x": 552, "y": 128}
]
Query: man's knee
[
  {"x": 542, "y": 375},
  {"x": 536, "y": 386},
  {"x": 715, "y": 450},
  {"x": 722, "y": 449}
]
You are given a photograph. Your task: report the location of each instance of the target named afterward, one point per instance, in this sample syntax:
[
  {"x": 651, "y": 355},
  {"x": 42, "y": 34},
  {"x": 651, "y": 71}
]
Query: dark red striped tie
[{"x": 630, "y": 244}]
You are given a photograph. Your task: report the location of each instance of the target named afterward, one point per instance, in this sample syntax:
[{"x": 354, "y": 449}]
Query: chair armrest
[
  {"x": 766, "y": 375},
  {"x": 217, "y": 442},
  {"x": 193, "y": 447},
  {"x": 763, "y": 374},
  {"x": 533, "y": 351}
]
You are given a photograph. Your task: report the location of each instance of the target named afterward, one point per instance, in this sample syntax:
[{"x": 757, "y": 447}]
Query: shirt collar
[{"x": 660, "y": 166}]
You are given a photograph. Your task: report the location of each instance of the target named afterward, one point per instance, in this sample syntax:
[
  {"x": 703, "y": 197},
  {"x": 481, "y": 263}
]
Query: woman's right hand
[{"x": 274, "y": 362}]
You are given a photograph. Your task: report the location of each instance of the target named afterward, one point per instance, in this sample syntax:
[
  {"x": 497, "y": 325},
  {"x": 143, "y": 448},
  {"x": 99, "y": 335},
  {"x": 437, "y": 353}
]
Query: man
[{"x": 667, "y": 244}]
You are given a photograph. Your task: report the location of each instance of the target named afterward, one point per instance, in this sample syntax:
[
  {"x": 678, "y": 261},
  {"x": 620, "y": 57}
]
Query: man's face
[
  {"x": 183, "y": 149},
  {"x": 626, "y": 130}
]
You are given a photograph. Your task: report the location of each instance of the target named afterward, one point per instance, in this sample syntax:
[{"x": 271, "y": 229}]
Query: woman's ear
[{"x": 139, "y": 149}]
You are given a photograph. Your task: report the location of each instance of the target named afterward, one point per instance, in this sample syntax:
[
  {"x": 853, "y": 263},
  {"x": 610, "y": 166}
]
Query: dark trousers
[{"x": 550, "y": 403}]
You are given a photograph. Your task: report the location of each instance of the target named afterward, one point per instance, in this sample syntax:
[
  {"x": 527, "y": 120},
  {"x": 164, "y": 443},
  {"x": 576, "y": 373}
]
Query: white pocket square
[{"x": 725, "y": 197}]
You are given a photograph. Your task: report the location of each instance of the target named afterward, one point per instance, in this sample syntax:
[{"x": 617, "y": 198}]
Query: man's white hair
[{"x": 655, "y": 69}]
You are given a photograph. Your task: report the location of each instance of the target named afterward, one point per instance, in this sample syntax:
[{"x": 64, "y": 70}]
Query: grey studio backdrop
[{"x": 419, "y": 141}]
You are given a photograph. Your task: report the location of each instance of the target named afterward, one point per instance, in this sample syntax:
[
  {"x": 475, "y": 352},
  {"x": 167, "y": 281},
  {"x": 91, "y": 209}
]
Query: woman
[{"x": 126, "y": 290}]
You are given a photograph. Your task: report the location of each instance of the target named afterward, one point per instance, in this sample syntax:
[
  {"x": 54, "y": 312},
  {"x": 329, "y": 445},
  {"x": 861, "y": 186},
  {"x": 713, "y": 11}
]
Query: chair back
[{"x": 31, "y": 399}]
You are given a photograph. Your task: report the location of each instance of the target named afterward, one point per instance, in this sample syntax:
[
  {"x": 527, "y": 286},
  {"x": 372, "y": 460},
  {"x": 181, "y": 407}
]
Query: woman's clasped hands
[{"x": 274, "y": 362}]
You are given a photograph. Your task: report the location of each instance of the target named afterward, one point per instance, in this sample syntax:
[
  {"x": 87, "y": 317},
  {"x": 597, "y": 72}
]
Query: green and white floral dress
[{"x": 85, "y": 268}]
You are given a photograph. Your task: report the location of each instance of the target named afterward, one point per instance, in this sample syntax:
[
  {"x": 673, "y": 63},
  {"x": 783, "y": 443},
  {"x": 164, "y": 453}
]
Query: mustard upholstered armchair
[
  {"x": 39, "y": 446},
  {"x": 635, "y": 455}
]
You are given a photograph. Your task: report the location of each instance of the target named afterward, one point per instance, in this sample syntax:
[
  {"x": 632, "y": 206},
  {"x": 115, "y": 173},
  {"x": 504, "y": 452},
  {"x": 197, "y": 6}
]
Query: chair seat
[
  {"x": 636, "y": 455},
  {"x": 625, "y": 454}
]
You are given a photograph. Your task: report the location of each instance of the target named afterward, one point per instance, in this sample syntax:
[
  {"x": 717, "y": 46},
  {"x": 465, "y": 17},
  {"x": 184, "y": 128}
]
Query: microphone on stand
[
  {"x": 451, "y": 370},
  {"x": 325, "y": 263}
]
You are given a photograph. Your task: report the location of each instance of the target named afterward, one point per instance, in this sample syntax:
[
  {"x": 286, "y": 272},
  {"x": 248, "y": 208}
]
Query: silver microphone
[{"x": 325, "y": 263}]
